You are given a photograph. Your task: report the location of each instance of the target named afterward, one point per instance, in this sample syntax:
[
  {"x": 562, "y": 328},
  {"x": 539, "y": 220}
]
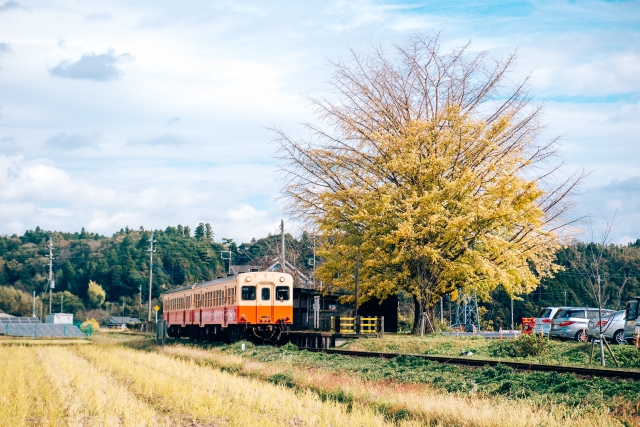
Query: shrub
[
  {"x": 525, "y": 346},
  {"x": 95, "y": 326},
  {"x": 99, "y": 316}
]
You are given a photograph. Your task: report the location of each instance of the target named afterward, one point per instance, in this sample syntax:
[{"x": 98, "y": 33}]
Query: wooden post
[
  {"x": 337, "y": 324},
  {"x": 358, "y": 324},
  {"x": 382, "y": 326}
]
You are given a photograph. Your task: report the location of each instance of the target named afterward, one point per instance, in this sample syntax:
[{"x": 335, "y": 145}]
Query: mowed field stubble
[
  {"x": 113, "y": 382},
  {"x": 103, "y": 385}
]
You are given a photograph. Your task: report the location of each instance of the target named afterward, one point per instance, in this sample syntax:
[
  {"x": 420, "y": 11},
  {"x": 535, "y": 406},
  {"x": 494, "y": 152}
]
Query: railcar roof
[
  {"x": 225, "y": 279},
  {"x": 201, "y": 284}
]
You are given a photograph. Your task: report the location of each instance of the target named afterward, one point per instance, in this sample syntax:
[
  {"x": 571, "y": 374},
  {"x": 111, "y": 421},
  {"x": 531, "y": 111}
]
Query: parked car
[
  {"x": 544, "y": 318},
  {"x": 572, "y": 323},
  {"x": 612, "y": 327},
  {"x": 631, "y": 320}
]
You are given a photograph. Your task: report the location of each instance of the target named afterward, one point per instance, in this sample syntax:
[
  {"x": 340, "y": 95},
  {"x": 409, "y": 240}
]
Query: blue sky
[{"x": 155, "y": 113}]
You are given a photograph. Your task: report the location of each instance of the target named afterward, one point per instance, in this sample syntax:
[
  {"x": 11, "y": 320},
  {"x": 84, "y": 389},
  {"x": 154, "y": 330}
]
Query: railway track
[{"x": 468, "y": 361}]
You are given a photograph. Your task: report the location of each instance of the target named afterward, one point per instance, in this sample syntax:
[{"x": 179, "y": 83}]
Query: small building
[
  {"x": 60, "y": 318},
  {"x": 330, "y": 305},
  {"x": 120, "y": 322}
]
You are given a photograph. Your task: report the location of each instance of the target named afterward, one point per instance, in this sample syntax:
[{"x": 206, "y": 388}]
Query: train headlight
[
  {"x": 282, "y": 279},
  {"x": 248, "y": 279}
]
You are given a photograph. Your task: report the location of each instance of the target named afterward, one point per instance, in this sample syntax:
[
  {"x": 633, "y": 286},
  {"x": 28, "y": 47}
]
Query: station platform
[{"x": 320, "y": 339}]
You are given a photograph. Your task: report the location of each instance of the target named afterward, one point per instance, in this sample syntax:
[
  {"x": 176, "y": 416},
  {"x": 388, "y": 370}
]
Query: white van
[{"x": 544, "y": 318}]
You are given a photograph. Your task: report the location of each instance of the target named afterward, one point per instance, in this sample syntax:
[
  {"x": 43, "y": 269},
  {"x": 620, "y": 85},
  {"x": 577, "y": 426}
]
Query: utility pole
[
  {"x": 357, "y": 276},
  {"x": 151, "y": 251},
  {"x": 52, "y": 284},
  {"x": 34, "y": 303},
  {"x": 512, "y": 327},
  {"x": 565, "y": 298},
  {"x": 61, "y": 303},
  {"x": 314, "y": 261},
  {"x": 282, "y": 236},
  {"x": 226, "y": 259},
  {"x": 441, "y": 310}
]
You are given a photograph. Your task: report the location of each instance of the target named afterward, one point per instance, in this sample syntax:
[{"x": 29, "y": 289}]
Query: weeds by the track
[
  {"x": 557, "y": 352},
  {"x": 348, "y": 380}
]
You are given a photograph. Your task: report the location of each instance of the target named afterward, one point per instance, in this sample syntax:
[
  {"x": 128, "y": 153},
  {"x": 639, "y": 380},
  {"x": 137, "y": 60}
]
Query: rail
[{"x": 467, "y": 361}]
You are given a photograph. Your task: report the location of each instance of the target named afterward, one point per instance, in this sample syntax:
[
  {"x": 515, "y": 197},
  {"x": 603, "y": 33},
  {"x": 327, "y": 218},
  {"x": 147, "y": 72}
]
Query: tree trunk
[{"x": 417, "y": 314}]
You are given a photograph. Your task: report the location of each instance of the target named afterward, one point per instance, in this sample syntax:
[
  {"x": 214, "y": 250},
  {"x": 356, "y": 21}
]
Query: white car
[
  {"x": 544, "y": 318},
  {"x": 612, "y": 327}
]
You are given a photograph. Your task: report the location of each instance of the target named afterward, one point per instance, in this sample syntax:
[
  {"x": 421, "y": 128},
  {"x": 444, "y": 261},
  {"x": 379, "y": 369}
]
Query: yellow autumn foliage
[{"x": 432, "y": 174}]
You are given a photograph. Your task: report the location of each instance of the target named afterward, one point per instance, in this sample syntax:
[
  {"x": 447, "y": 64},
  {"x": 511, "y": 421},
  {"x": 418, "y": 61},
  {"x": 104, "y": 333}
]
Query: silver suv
[
  {"x": 572, "y": 323},
  {"x": 544, "y": 318}
]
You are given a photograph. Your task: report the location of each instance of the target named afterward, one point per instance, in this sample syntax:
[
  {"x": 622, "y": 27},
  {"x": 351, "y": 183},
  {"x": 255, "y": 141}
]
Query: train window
[
  {"x": 282, "y": 293},
  {"x": 266, "y": 294},
  {"x": 248, "y": 293}
]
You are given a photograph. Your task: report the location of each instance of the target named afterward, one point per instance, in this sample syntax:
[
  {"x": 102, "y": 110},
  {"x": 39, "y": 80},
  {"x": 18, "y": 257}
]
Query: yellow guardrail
[
  {"x": 368, "y": 325},
  {"x": 349, "y": 325}
]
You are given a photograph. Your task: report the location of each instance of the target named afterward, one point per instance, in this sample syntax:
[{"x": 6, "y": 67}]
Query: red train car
[{"x": 257, "y": 304}]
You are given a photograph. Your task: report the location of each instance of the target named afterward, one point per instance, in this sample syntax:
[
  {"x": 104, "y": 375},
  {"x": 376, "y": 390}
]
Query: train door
[
  {"x": 183, "y": 303},
  {"x": 265, "y": 302},
  {"x": 225, "y": 317},
  {"x": 248, "y": 304}
]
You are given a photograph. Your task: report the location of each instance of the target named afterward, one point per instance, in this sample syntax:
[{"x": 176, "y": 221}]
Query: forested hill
[{"x": 120, "y": 263}]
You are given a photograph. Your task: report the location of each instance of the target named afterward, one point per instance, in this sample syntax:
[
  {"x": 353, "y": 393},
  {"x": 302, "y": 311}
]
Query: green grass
[
  {"x": 539, "y": 387},
  {"x": 558, "y": 352}
]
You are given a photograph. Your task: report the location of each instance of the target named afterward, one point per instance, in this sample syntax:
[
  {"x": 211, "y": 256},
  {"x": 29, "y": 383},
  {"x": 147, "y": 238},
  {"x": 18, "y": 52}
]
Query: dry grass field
[
  {"x": 109, "y": 385},
  {"x": 398, "y": 400},
  {"x": 131, "y": 382}
]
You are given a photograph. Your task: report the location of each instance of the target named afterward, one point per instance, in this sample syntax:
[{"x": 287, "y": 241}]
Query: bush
[
  {"x": 525, "y": 346},
  {"x": 95, "y": 326},
  {"x": 15, "y": 302},
  {"x": 100, "y": 316}
]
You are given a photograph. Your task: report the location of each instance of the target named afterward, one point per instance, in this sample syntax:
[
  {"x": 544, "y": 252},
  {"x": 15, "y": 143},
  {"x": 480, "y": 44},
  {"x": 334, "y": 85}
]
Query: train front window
[
  {"x": 266, "y": 294},
  {"x": 282, "y": 293},
  {"x": 248, "y": 293}
]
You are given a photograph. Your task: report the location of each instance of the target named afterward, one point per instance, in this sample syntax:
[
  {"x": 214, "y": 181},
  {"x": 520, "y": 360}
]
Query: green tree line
[{"x": 120, "y": 265}]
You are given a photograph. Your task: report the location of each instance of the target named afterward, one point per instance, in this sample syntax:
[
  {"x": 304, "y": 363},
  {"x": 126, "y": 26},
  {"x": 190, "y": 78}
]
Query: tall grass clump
[{"x": 532, "y": 345}]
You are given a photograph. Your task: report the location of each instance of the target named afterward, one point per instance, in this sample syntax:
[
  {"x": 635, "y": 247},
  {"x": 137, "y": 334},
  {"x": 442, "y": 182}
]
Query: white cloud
[
  {"x": 91, "y": 66},
  {"x": 70, "y": 141},
  {"x": 181, "y": 130}
]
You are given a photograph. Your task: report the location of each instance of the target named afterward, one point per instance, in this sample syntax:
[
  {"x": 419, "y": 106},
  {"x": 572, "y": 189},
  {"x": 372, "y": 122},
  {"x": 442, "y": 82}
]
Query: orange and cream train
[{"x": 257, "y": 304}]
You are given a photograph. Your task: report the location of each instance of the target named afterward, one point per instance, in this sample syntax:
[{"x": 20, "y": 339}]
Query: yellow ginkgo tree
[{"x": 431, "y": 170}]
